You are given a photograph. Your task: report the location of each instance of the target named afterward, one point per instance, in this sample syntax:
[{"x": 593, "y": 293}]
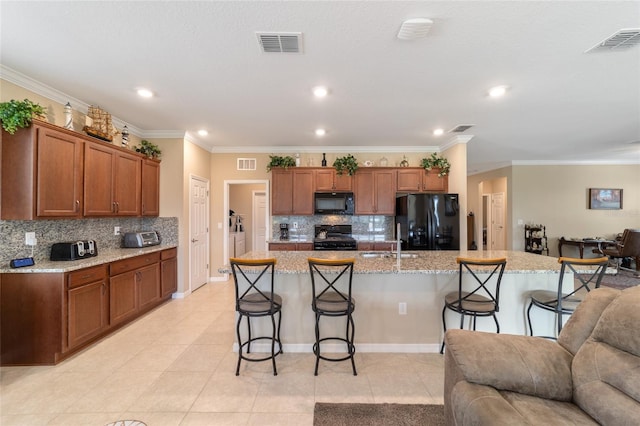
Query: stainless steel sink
[{"x": 387, "y": 255}]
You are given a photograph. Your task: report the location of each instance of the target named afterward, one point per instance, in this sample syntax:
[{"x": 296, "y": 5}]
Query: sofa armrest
[{"x": 528, "y": 365}]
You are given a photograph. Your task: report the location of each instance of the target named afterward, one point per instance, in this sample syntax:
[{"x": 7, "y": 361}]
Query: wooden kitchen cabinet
[
  {"x": 148, "y": 286},
  {"x": 88, "y": 304},
  {"x": 150, "y": 187},
  {"x": 376, "y": 246},
  {"x": 292, "y": 191},
  {"x": 417, "y": 179},
  {"x": 134, "y": 286},
  {"x": 46, "y": 317},
  {"x": 375, "y": 191},
  {"x": 42, "y": 171},
  {"x": 291, "y": 246},
  {"x": 327, "y": 179},
  {"x": 435, "y": 183},
  {"x": 168, "y": 272},
  {"x": 112, "y": 181}
]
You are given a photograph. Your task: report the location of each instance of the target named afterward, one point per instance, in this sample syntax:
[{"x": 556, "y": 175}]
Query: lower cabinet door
[
  {"x": 123, "y": 297},
  {"x": 87, "y": 314},
  {"x": 169, "y": 277},
  {"x": 148, "y": 279}
]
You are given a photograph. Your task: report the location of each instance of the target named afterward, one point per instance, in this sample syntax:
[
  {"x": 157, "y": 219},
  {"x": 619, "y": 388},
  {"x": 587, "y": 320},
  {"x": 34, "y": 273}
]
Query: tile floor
[{"x": 175, "y": 366}]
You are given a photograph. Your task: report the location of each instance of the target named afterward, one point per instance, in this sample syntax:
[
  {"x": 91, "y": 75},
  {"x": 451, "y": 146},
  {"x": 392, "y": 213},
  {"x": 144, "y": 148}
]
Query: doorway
[
  {"x": 239, "y": 197},
  {"x": 498, "y": 237},
  {"x": 198, "y": 232}
]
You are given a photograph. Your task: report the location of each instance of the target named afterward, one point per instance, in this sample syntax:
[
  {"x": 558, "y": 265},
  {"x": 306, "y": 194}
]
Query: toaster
[
  {"x": 74, "y": 250},
  {"x": 140, "y": 239}
]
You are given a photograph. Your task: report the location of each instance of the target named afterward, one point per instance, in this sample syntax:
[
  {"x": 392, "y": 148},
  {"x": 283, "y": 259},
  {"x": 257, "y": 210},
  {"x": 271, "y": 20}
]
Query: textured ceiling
[{"x": 203, "y": 61}]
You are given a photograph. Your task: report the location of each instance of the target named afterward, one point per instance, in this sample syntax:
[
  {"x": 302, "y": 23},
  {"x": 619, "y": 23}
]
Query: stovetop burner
[{"x": 334, "y": 237}]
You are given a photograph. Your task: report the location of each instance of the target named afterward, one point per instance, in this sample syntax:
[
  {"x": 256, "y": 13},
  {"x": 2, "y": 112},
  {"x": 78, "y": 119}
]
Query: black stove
[{"x": 334, "y": 237}]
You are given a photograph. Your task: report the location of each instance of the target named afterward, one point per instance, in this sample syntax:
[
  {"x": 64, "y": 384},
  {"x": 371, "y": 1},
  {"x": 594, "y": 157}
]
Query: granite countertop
[
  {"x": 426, "y": 262},
  {"x": 104, "y": 256}
]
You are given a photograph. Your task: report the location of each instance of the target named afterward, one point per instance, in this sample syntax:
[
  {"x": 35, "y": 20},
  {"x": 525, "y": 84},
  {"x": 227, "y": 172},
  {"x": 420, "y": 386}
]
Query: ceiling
[{"x": 203, "y": 62}]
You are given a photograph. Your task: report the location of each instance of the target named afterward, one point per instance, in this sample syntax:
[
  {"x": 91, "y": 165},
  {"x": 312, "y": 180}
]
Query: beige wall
[
  {"x": 54, "y": 110},
  {"x": 556, "y": 196}
]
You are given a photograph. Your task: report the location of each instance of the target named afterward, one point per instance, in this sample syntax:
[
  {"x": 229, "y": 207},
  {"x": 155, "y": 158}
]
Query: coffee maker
[{"x": 284, "y": 231}]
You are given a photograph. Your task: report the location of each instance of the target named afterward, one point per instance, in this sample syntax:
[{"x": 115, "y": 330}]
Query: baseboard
[
  {"x": 340, "y": 348},
  {"x": 223, "y": 278}
]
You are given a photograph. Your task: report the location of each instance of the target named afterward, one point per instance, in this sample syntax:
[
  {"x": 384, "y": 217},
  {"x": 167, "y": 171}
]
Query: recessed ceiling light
[
  {"x": 496, "y": 92},
  {"x": 320, "y": 91},
  {"x": 203, "y": 132},
  {"x": 145, "y": 93},
  {"x": 321, "y": 132},
  {"x": 438, "y": 132}
]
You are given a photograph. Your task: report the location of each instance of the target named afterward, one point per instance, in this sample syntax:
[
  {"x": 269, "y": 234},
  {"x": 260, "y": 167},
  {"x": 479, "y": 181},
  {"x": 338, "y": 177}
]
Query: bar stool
[
  {"x": 483, "y": 299},
  {"x": 565, "y": 303},
  {"x": 331, "y": 296},
  {"x": 253, "y": 301}
]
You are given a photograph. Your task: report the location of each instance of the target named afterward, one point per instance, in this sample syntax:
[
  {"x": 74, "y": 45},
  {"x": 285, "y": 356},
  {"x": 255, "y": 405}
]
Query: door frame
[
  {"x": 208, "y": 222},
  {"x": 225, "y": 211}
]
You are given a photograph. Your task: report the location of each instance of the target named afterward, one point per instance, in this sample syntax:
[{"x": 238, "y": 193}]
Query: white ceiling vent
[
  {"x": 620, "y": 40},
  {"x": 461, "y": 128},
  {"x": 280, "y": 42},
  {"x": 413, "y": 29}
]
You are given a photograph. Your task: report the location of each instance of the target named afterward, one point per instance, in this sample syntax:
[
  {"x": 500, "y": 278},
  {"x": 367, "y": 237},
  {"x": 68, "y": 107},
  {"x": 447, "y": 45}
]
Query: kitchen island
[{"x": 381, "y": 284}]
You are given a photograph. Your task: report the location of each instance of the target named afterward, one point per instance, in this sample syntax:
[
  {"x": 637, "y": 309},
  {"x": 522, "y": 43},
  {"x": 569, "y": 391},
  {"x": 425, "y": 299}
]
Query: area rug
[
  {"x": 623, "y": 279},
  {"x": 330, "y": 414}
]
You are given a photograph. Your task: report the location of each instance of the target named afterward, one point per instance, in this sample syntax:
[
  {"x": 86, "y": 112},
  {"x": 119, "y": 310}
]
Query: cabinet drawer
[
  {"x": 88, "y": 275},
  {"x": 137, "y": 262},
  {"x": 168, "y": 254}
]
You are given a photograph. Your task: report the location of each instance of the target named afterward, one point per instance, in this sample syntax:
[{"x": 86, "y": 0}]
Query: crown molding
[
  {"x": 56, "y": 95},
  {"x": 321, "y": 149}
]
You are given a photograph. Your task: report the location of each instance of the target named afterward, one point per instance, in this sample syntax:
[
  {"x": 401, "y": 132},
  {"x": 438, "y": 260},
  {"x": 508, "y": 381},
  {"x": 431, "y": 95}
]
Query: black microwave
[{"x": 334, "y": 203}]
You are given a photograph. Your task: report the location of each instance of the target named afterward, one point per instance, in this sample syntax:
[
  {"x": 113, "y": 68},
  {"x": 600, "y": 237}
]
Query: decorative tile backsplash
[
  {"x": 12, "y": 244},
  {"x": 364, "y": 227}
]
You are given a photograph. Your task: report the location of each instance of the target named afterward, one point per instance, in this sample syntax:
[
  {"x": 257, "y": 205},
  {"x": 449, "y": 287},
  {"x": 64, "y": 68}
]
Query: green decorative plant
[
  {"x": 278, "y": 161},
  {"x": 149, "y": 149},
  {"x": 18, "y": 114},
  {"x": 348, "y": 164},
  {"x": 436, "y": 162}
]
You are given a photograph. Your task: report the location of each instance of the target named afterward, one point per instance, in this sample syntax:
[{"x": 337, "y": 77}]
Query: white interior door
[
  {"x": 199, "y": 232},
  {"x": 498, "y": 237},
  {"x": 259, "y": 221}
]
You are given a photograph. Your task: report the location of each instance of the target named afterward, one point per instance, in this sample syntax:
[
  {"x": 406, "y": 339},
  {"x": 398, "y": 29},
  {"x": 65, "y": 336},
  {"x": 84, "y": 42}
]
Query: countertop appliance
[
  {"x": 140, "y": 239},
  {"x": 74, "y": 250},
  {"x": 284, "y": 232},
  {"x": 428, "y": 221},
  {"x": 334, "y": 203},
  {"x": 334, "y": 237}
]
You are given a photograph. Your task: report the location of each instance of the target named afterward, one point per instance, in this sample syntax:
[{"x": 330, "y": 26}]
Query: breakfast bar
[{"x": 418, "y": 281}]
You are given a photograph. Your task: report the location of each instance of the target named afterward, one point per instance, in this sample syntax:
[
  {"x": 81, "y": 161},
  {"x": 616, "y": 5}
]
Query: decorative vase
[{"x": 324, "y": 160}]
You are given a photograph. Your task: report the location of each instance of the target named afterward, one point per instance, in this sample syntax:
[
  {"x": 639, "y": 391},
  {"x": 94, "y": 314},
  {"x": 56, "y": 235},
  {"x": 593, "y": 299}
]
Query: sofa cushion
[
  {"x": 606, "y": 369},
  {"x": 533, "y": 366},
  {"x": 582, "y": 322},
  {"x": 483, "y": 405}
]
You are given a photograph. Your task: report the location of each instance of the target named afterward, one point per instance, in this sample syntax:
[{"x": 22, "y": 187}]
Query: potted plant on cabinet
[
  {"x": 348, "y": 164},
  {"x": 149, "y": 149},
  {"x": 19, "y": 114},
  {"x": 278, "y": 161},
  {"x": 434, "y": 161}
]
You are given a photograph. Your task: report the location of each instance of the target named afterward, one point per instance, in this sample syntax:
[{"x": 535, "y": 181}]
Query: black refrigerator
[{"x": 428, "y": 221}]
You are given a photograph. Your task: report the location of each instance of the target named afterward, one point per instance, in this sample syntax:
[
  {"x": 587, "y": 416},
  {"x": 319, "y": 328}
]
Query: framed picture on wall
[{"x": 605, "y": 198}]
